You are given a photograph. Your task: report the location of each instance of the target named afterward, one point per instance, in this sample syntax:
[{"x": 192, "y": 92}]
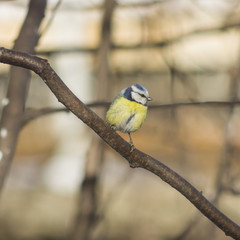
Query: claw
[
  {"x": 132, "y": 148},
  {"x": 113, "y": 127},
  {"x": 131, "y": 142}
]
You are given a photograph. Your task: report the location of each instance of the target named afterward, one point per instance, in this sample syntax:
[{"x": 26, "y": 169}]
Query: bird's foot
[
  {"x": 113, "y": 127},
  {"x": 132, "y": 147}
]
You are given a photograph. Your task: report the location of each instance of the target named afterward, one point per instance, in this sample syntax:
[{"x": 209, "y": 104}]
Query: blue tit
[{"x": 129, "y": 110}]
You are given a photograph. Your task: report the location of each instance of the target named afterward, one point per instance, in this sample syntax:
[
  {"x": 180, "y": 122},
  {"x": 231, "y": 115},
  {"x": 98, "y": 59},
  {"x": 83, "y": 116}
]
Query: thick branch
[{"x": 135, "y": 158}]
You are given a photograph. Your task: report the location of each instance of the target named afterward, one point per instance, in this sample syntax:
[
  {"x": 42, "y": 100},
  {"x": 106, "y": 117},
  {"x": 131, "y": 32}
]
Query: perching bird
[{"x": 128, "y": 110}]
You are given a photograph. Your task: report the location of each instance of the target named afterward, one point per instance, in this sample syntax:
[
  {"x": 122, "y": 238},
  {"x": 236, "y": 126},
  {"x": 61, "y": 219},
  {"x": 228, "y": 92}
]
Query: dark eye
[{"x": 142, "y": 95}]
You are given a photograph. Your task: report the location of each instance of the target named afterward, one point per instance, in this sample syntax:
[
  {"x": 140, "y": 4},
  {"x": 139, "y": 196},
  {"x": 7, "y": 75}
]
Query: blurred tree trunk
[
  {"x": 87, "y": 216},
  {"x": 13, "y": 111}
]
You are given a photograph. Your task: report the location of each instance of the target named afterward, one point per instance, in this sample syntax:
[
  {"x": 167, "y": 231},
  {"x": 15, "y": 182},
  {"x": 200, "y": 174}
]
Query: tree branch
[
  {"x": 32, "y": 114},
  {"x": 135, "y": 158},
  {"x": 10, "y": 122}
]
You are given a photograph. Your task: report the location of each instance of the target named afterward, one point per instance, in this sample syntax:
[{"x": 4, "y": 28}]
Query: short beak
[{"x": 149, "y": 99}]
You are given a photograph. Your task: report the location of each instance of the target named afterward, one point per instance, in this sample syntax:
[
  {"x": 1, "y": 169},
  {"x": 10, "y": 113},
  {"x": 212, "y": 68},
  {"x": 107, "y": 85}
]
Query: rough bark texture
[{"x": 136, "y": 158}]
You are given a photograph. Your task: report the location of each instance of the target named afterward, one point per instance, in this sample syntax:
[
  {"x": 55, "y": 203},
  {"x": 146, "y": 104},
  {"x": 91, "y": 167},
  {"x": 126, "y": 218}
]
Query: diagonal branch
[{"x": 135, "y": 158}]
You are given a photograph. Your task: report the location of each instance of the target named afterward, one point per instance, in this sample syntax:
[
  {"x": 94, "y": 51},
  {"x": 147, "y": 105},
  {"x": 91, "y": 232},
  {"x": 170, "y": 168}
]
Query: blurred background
[{"x": 65, "y": 183}]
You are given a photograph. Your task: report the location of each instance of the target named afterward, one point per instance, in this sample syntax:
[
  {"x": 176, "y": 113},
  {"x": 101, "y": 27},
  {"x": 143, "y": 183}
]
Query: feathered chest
[{"x": 126, "y": 115}]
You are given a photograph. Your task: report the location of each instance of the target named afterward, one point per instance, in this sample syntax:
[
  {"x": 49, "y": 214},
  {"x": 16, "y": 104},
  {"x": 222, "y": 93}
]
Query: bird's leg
[
  {"x": 113, "y": 127},
  {"x": 131, "y": 142}
]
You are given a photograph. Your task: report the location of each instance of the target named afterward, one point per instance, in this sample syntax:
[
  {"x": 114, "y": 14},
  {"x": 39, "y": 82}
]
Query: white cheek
[
  {"x": 144, "y": 101},
  {"x": 138, "y": 98}
]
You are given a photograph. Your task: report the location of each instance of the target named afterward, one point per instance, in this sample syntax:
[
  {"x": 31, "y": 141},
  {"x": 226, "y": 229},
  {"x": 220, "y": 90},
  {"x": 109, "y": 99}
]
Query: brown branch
[
  {"x": 135, "y": 158},
  {"x": 198, "y": 104},
  {"x": 154, "y": 106},
  {"x": 10, "y": 123},
  {"x": 32, "y": 114},
  {"x": 53, "y": 14}
]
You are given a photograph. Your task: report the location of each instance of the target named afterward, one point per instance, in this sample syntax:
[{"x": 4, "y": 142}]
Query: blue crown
[{"x": 140, "y": 87}]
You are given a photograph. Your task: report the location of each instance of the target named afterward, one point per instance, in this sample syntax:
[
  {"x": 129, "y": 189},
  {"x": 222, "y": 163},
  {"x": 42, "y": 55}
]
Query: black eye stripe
[{"x": 141, "y": 94}]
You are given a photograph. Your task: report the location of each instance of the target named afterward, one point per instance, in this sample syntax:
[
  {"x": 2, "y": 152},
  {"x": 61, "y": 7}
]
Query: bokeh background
[{"x": 184, "y": 52}]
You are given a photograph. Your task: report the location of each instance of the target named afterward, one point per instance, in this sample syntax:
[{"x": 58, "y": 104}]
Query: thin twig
[
  {"x": 32, "y": 114},
  {"x": 49, "y": 22}
]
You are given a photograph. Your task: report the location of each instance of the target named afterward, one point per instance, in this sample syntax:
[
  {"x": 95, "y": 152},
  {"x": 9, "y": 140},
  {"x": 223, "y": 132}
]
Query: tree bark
[
  {"x": 136, "y": 158},
  {"x": 13, "y": 111}
]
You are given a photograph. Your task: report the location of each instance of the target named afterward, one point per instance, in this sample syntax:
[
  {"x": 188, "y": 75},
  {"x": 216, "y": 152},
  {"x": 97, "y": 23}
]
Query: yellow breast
[{"x": 126, "y": 115}]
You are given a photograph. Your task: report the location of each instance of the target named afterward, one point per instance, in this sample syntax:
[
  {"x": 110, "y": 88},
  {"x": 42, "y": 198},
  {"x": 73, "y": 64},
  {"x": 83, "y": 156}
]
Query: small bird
[{"x": 129, "y": 110}]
